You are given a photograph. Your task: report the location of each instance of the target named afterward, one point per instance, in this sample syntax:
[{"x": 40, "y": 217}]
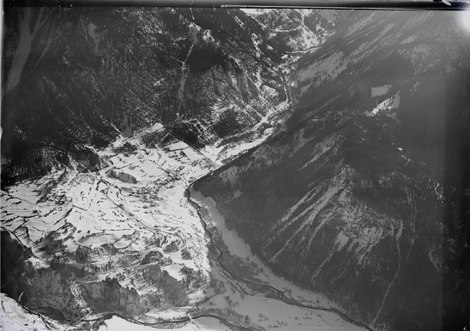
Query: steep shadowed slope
[
  {"x": 364, "y": 195},
  {"x": 77, "y": 78}
]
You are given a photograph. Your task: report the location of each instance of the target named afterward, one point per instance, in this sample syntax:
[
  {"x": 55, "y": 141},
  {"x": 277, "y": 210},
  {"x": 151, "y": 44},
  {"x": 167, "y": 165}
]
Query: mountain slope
[
  {"x": 77, "y": 79},
  {"x": 356, "y": 197},
  {"x": 100, "y": 228}
]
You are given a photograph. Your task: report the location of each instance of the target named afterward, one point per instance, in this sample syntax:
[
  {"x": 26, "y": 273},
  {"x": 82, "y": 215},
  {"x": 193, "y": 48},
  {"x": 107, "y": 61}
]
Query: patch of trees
[
  {"x": 152, "y": 257},
  {"x": 126, "y": 148},
  {"x": 172, "y": 289},
  {"x": 228, "y": 124}
]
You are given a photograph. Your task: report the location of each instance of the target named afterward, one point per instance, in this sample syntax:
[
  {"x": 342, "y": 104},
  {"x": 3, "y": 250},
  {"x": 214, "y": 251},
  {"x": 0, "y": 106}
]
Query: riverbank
[{"x": 234, "y": 256}]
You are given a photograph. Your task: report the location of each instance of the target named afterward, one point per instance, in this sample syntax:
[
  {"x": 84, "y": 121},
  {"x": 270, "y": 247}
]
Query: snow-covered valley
[
  {"x": 135, "y": 219},
  {"x": 113, "y": 237},
  {"x": 227, "y": 169}
]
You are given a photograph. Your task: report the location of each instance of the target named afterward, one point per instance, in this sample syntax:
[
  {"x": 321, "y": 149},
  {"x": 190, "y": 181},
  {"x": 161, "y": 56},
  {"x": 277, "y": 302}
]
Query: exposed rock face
[
  {"x": 67, "y": 292},
  {"x": 357, "y": 197},
  {"x": 14, "y": 256},
  {"x": 108, "y": 296},
  {"x": 44, "y": 290}
]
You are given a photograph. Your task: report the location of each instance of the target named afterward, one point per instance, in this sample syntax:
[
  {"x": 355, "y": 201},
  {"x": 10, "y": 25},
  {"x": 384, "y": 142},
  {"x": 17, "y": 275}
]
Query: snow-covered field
[{"x": 135, "y": 217}]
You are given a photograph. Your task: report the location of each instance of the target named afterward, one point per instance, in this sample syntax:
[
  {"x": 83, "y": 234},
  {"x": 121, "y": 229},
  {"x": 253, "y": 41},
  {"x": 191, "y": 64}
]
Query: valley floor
[{"x": 138, "y": 204}]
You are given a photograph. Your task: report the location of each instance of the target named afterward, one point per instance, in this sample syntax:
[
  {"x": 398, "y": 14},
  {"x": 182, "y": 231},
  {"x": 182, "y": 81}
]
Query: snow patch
[
  {"x": 236, "y": 245},
  {"x": 116, "y": 323},
  {"x": 237, "y": 194},
  {"x": 322, "y": 70},
  {"x": 386, "y": 107},
  {"x": 14, "y": 317},
  {"x": 380, "y": 90}
]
